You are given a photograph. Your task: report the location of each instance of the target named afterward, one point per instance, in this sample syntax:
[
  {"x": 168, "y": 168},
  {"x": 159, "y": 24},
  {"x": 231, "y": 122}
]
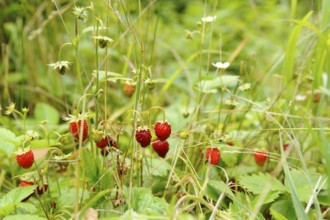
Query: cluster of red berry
[
  {"x": 25, "y": 159},
  {"x": 160, "y": 144}
]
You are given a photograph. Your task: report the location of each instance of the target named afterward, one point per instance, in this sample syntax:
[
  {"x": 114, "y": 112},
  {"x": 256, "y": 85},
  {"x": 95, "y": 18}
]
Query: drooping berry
[
  {"x": 25, "y": 158},
  {"x": 23, "y": 184},
  {"x": 162, "y": 130},
  {"x": 143, "y": 136},
  {"x": 260, "y": 157},
  {"x": 161, "y": 147},
  {"x": 40, "y": 190},
  {"x": 213, "y": 155},
  {"x": 75, "y": 129},
  {"x": 105, "y": 141},
  {"x": 129, "y": 89},
  {"x": 317, "y": 96}
]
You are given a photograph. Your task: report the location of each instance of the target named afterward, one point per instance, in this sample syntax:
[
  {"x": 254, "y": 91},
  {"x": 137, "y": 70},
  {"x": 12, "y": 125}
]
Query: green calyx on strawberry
[
  {"x": 25, "y": 158},
  {"x": 62, "y": 162},
  {"x": 184, "y": 134},
  {"x": 78, "y": 123},
  {"x": 213, "y": 155},
  {"x": 162, "y": 130},
  {"x": 161, "y": 147},
  {"x": 64, "y": 139},
  {"x": 260, "y": 157},
  {"x": 97, "y": 135},
  {"x": 143, "y": 136}
]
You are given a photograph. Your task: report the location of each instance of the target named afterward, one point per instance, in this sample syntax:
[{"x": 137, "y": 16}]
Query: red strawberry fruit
[
  {"x": 75, "y": 129},
  {"x": 25, "y": 183},
  {"x": 25, "y": 158},
  {"x": 106, "y": 141},
  {"x": 162, "y": 130},
  {"x": 285, "y": 147},
  {"x": 260, "y": 157},
  {"x": 213, "y": 155},
  {"x": 129, "y": 89},
  {"x": 161, "y": 147},
  {"x": 143, "y": 136}
]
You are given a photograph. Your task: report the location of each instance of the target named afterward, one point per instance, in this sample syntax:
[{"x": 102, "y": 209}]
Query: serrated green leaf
[
  {"x": 67, "y": 197},
  {"x": 6, "y": 209},
  {"x": 27, "y": 207},
  {"x": 46, "y": 112},
  {"x": 157, "y": 167},
  {"x": 16, "y": 195},
  {"x": 20, "y": 217},
  {"x": 283, "y": 209},
  {"x": 144, "y": 202},
  {"x": 270, "y": 197},
  {"x": 230, "y": 159},
  {"x": 255, "y": 183},
  {"x": 301, "y": 184},
  {"x": 276, "y": 215}
]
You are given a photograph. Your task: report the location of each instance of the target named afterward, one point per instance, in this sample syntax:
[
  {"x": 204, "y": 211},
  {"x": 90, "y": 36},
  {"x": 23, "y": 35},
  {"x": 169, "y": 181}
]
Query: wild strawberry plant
[{"x": 164, "y": 110}]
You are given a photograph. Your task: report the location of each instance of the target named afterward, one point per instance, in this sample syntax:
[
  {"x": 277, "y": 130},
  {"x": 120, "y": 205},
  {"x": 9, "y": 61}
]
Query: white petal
[
  {"x": 208, "y": 19},
  {"x": 220, "y": 65},
  {"x": 300, "y": 98}
]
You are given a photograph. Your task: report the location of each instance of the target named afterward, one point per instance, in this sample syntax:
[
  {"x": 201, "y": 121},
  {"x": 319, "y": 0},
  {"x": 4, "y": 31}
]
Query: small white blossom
[
  {"x": 300, "y": 98},
  {"x": 220, "y": 65},
  {"x": 208, "y": 19},
  {"x": 60, "y": 66},
  {"x": 81, "y": 13},
  {"x": 32, "y": 134}
]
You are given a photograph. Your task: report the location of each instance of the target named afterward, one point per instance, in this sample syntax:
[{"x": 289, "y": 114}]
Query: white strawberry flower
[
  {"x": 208, "y": 19},
  {"x": 221, "y": 65}
]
